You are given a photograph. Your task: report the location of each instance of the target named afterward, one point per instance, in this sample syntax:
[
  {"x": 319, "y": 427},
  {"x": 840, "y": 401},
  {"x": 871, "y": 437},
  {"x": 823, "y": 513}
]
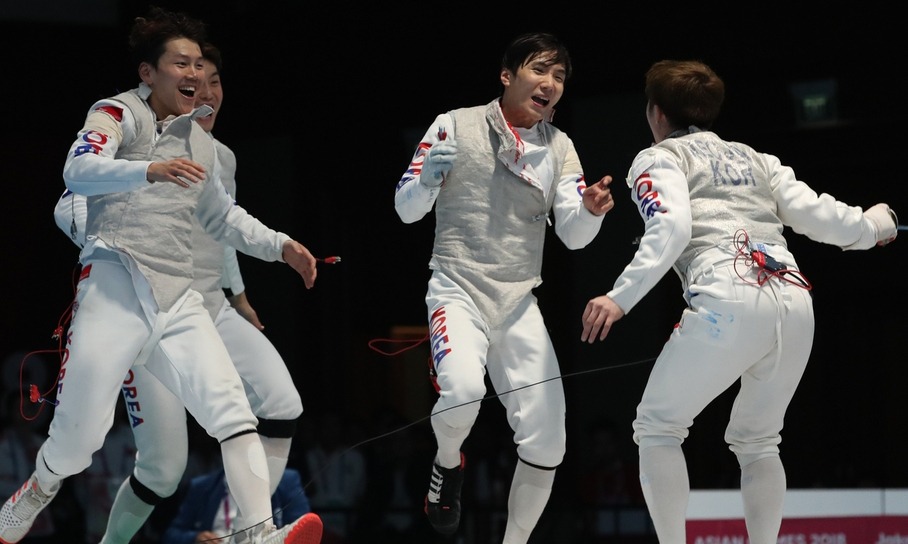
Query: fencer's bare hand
[
  {"x": 597, "y": 198},
  {"x": 296, "y": 255},
  {"x": 178, "y": 171},
  {"x": 241, "y": 304},
  {"x": 598, "y": 317},
  {"x": 207, "y": 536}
]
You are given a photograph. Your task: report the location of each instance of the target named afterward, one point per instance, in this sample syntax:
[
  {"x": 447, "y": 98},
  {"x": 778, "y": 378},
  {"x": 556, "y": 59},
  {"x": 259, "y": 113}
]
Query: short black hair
[
  {"x": 527, "y": 47},
  {"x": 213, "y": 55},
  {"x": 150, "y": 34}
]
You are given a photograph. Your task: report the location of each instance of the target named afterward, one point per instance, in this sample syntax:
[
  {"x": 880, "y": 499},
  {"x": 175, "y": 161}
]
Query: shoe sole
[
  {"x": 308, "y": 530},
  {"x": 446, "y": 530}
]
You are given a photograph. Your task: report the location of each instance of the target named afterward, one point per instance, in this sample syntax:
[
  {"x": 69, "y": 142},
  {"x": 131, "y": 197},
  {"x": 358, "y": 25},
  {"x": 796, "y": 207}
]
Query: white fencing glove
[
  {"x": 884, "y": 221},
  {"x": 438, "y": 163}
]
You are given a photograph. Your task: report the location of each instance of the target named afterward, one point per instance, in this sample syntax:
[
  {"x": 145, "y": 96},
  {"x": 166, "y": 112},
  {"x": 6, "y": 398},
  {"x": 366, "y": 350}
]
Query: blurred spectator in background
[
  {"x": 208, "y": 512},
  {"x": 338, "y": 477}
]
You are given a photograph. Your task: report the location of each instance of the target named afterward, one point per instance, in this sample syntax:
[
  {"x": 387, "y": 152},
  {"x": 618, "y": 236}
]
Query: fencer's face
[
  {"x": 209, "y": 93},
  {"x": 531, "y": 93},
  {"x": 175, "y": 79}
]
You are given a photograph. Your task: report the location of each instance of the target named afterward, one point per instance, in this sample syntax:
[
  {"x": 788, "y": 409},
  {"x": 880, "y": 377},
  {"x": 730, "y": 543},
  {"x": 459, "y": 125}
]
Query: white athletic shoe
[
  {"x": 305, "y": 530},
  {"x": 21, "y": 509}
]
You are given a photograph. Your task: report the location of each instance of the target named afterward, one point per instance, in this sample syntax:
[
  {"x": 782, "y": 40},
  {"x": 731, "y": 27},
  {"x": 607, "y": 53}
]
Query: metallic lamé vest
[
  {"x": 208, "y": 253},
  {"x": 490, "y": 223},
  {"x": 729, "y": 190},
  {"x": 153, "y": 224}
]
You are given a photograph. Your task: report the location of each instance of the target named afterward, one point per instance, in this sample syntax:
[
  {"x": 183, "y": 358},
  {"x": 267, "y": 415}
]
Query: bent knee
[
  {"x": 159, "y": 479},
  {"x": 750, "y": 451},
  {"x": 277, "y": 428},
  {"x": 658, "y": 432},
  {"x": 283, "y": 404},
  {"x": 545, "y": 450},
  {"x": 649, "y": 441}
]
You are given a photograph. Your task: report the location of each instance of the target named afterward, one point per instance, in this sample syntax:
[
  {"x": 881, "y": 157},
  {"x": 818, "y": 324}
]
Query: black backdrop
[{"x": 323, "y": 107}]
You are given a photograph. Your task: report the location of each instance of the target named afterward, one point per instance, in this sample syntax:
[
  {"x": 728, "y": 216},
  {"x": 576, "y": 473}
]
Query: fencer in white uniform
[
  {"x": 714, "y": 211},
  {"x": 157, "y": 417},
  {"x": 134, "y": 295},
  {"x": 493, "y": 174}
]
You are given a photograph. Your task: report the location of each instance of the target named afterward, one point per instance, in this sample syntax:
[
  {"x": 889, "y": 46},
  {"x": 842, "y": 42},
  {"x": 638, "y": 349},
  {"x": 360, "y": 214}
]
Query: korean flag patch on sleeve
[{"x": 113, "y": 111}]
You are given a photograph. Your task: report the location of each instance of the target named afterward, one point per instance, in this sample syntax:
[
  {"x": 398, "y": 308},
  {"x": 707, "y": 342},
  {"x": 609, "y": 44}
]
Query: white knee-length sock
[
  {"x": 530, "y": 491},
  {"x": 449, "y": 441},
  {"x": 763, "y": 491},
  {"x": 48, "y": 481},
  {"x": 247, "y": 478},
  {"x": 277, "y": 450},
  {"x": 127, "y": 515},
  {"x": 666, "y": 488}
]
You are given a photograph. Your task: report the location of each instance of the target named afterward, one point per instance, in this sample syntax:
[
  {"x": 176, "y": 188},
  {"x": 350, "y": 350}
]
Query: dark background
[{"x": 324, "y": 105}]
